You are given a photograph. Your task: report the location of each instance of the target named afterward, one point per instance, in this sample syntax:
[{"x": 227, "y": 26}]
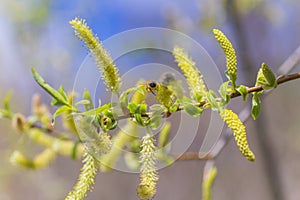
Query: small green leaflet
[
  {"x": 87, "y": 96},
  {"x": 269, "y": 75},
  {"x": 58, "y": 112},
  {"x": 212, "y": 99},
  {"x": 243, "y": 91},
  {"x": 57, "y": 95},
  {"x": 266, "y": 78},
  {"x": 255, "y": 105}
]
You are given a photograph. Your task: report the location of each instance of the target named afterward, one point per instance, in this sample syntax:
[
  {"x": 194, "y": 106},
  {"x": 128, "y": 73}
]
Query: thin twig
[
  {"x": 245, "y": 114},
  {"x": 280, "y": 80}
]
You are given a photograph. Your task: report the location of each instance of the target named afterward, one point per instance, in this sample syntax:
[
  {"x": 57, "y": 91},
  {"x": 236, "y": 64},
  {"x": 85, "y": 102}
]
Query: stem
[
  {"x": 287, "y": 66},
  {"x": 280, "y": 80}
]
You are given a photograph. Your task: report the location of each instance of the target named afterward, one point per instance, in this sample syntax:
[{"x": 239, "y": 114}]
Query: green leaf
[
  {"x": 58, "y": 112},
  {"x": 224, "y": 92},
  {"x": 61, "y": 90},
  {"x": 255, "y": 105},
  {"x": 132, "y": 107},
  {"x": 231, "y": 78},
  {"x": 163, "y": 138},
  {"x": 243, "y": 91},
  {"x": 269, "y": 75},
  {"x": 155, "y": 121},
  {"x": 212, "y": 99},
  {"x": 157, "y": 111},
  {"x": 124, "y": 101},
  {"x": 139, "y": 119},
  {"x": 124, "y": 97},
  {"x": 192, "y": 110},
  {"x": 198, "y": 96},
  {"x": 97, "y": 110},
  {"x": 266, "y": 78},
  {"x": 87, "y": 96},
  {"x": 82, "y": 102},
  {"x": 54, "y": 93},
  {"x": 138, "y": 115},
  {"x": 143, "y": 108}
]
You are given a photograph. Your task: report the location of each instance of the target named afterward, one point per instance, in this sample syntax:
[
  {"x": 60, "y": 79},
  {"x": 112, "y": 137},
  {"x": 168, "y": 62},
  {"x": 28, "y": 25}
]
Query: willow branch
[
  {"x": 280, "y": 80},
  {"x": 245, "y": 114}
]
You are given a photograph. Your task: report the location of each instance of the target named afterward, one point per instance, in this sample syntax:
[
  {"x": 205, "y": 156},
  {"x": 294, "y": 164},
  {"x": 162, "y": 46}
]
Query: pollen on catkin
[
  {"x": 148, "y": 171},
  {"x": 105, "y": 63},
  {"x": 190, "y": 71},
  {"x": 239, "y": 131},
  {"x": 231, "y": 61},
  {"x": 86, "y": 179}
]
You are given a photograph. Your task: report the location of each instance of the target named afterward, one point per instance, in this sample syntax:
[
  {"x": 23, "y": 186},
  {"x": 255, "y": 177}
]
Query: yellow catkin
[
  {"x": 239, "y": 131},
  {"x": 208, "y": 181},
  {"x": 148, "y": 174},
  {"x": 229, "y": 52},
  {"x": 86, "y": 179},
  {"x": 188, "y": 67},
  {"x": 105, "y": 63},
  {"x": 41, "y": 160}
]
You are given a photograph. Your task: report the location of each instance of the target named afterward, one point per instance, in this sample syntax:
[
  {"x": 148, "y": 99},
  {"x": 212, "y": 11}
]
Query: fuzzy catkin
[
  {"x": 105, "y": 63},
  {"x": 86, "y": 179},
  {"x": 190, "y": 71},
  {"x": 239, "y": 131},
  {"x": 148, "y": 174},
  {"x": 231, "y": 61}
]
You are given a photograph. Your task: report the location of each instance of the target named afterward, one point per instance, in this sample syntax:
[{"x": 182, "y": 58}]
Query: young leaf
[
  {"x": 155, "y": 121},
  {"x": 58, "y": 112},
  {"x": 163, "y": 138},
  {"x": 124, "y": 97},
  {"x": 225, "y": 92},
  {"x": 192, "y": 110},
  {"x": 140, "y": 109},
  {"x": 82, "y": 102},
  {"x": 62, "y": 91},
  {"x": 269, "y": 75},
  {"x": 132, "y": 107},
  {"x": 87, "y": 96},
  {"x": 54, "y": 93},
  {"x": 255, "y": 105},
  {"x": 211, "y": 98},
  {"x": 266, "y": 78},
  {"x": 243, "y": 91},
  {"x": 98, "y": 110}
]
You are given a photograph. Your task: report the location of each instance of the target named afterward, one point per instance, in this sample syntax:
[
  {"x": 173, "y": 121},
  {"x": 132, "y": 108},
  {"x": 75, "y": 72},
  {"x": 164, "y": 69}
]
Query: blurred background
[{"x": 37, "y": 33}]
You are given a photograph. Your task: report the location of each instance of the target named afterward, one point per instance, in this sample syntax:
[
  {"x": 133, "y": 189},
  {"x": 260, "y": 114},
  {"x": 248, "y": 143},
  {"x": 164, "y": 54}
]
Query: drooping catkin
[
  {"x": 148, "y": 171},
  {"x": 105, "y": 63},
  {"x": 191, "y": 72},
  {"x": 86, "y": 179},
  {"x": 233, "y": 122}
]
